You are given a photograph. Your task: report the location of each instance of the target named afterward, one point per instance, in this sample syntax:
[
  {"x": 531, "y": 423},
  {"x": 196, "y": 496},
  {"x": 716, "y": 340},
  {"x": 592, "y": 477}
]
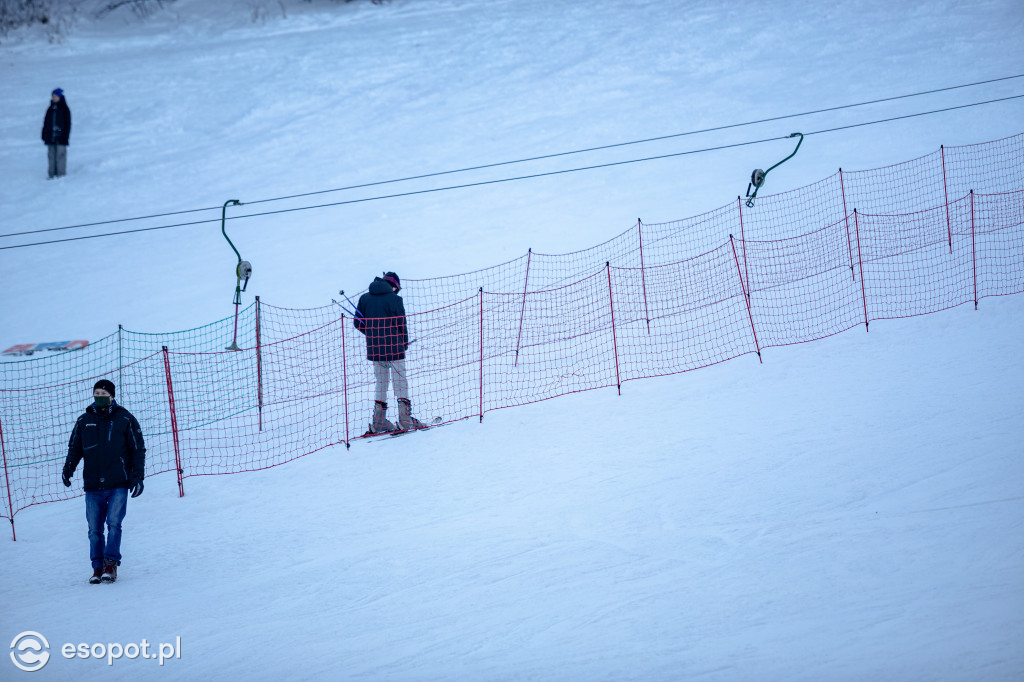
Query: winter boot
[
  {"x": 97, "y": 573},
  {"x": 405, "y": 419},
  {"x": 380, "y": 423},
  {"x": 109, "y": 571}
]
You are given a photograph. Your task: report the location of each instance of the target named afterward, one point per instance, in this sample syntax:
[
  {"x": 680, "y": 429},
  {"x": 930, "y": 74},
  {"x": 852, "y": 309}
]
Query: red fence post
[
  {"x": 522, "y": 313},
  {"x": 174, "y": 423},
  {"x": 860, "y": 259},
  {"x": 259, "y": 363},
  {"x": 974, "y": 256},
  {"x": 120, "y": 358},
  {"x": 643, "y": 277},
  {"x": 615, "y": 342},
  {"x": 7, "y": 480},
  {"x": 746, "y": 299},
  {"x": 481, "y": 354},
  {"x": 945, "y": 191},
  {"x": 344, "y": 375},
  {"x": 846, "y": 217},
  {"x": 746, "y": 291}
]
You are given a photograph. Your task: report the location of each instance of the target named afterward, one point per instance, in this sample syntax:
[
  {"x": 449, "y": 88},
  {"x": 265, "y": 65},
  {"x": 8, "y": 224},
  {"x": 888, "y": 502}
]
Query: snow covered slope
[
  {"x": 851, "y": 509},
  {"x": 848, "y": 510}
]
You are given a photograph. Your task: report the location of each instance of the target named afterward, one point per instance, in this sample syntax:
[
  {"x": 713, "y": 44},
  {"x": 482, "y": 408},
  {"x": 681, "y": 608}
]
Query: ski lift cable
[
  {"x": 523, "y": 160},
  {"x": 520, "y": 177}
]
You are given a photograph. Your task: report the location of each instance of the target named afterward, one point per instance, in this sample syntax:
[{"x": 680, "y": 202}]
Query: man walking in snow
[
  {"x": 380, "y": 316},
  {"x": 109, "y": 439},
  {"x": 56, "y": 133}
]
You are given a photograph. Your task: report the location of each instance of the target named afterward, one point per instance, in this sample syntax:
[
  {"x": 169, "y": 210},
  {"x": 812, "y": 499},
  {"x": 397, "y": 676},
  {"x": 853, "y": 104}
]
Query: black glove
[
  {"x": 137, "y": 487},
  {"x": 65, "y": 476}
]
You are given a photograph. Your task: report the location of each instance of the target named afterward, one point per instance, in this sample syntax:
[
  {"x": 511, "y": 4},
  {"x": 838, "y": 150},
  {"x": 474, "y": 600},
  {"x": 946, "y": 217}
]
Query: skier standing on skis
[
  {"x": 380, "y": 316},
  {"x": 109, "y": 439}
]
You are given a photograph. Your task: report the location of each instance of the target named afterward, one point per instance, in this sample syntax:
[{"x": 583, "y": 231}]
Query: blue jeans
[
  {"x": 57, "y": 154},
  {"x": 105, "y": 506}
]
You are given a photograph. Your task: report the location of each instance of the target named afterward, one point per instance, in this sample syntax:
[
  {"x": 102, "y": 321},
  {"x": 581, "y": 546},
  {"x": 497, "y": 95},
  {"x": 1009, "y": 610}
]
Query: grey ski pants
[{"x": 393, "y": 370}]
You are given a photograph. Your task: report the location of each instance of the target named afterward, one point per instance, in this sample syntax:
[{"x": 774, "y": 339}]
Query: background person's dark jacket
[
  {"x": 110, "y": 442},
  {"x": 57, "y": 123},
  {"x": 383, "y": 322}
]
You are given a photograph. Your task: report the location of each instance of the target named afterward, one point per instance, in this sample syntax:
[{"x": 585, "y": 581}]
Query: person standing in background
[{"x": 56, "y": 133}]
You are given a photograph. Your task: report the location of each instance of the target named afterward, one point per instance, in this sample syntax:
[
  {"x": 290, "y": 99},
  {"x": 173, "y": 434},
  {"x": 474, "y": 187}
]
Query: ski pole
[
  {"x": 345, "y": 309},
  {"x": 357, "y": 313}
]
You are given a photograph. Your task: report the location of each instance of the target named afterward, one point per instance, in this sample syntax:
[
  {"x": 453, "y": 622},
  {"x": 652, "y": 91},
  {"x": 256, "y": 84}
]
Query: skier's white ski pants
[{"x": 383, "y": 370}]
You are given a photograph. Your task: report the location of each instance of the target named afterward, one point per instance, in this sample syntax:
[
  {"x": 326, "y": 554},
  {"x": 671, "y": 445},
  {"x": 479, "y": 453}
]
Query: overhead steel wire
[
  {"x": 500, "y": 180},
  {"x": 527, "y": 159}
]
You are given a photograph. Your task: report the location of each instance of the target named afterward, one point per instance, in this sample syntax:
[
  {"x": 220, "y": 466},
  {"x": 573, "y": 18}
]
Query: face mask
[{"x": 102, "y": 401}]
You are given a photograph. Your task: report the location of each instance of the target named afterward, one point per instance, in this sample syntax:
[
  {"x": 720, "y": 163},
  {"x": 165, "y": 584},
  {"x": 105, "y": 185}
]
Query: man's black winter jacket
[
  {"x": 383, "y": 322},
  {"x": 110, "y": 442},
  {"x": 57, "y": 123}
]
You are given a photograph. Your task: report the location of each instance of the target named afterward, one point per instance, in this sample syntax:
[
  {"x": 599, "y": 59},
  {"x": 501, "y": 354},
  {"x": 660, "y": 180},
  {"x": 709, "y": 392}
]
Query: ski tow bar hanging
[
  {"x": 758, "y": 176},
  {"x": 243, "y": 270}
]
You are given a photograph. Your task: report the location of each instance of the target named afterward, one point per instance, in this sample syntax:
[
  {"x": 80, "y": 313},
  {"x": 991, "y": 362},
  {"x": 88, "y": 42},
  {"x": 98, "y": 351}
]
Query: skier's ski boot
[
  {"x": 405, "y": 419},
  {"x": 380, "y": 423}
]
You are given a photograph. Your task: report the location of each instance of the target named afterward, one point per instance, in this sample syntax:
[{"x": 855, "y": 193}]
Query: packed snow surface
[{"x": 852, "y": 509}]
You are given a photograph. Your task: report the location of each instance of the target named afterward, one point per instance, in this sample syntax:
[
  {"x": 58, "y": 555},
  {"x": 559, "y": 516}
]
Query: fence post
[
  {"x": 860, "y": 259},
  {"x": 846, "y": 217},
  {"x": 522, "y": 313},
  {"x": 615, "y": 342},
  {"x": 344, "y": 374},
  {"x": 7, "y": 481},
  {"x": 481, "y": 354},
  {"x": 746, "y": 287},
  {"x": 643, "y": 277},
  {"x": 746, "y": 299},
  {"x": 174, "y": 423},
  {"x": 945, "y": 191},
  {"x": 259, "y": 363},
  {"x": 120, "y": 359},
  {"x": 974, "y": 256}
]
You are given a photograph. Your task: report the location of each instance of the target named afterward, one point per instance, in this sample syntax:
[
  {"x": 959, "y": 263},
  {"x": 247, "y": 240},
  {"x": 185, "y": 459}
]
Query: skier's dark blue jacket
[
  {"x": 110, "y": 442},
  {"x": 383, "y": 322}
]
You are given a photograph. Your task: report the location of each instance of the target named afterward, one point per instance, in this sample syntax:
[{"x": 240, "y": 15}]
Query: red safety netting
[{"x": 909, "y": 239}]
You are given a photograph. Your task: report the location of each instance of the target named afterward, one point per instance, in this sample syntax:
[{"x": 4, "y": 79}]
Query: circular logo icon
[{"x": 30, "y": 651}]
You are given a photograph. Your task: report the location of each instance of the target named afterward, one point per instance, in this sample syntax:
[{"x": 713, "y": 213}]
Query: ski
[{"x": 432, "y": 424}]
